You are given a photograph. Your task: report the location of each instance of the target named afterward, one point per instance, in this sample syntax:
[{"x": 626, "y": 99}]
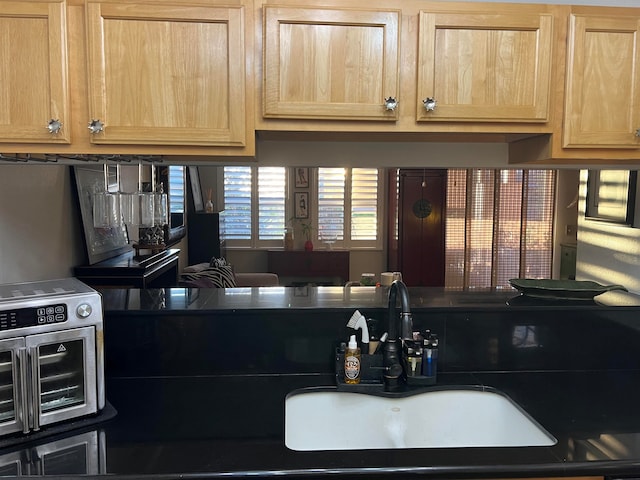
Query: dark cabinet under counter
[
  {"x": 159, "y": 270},
  {"x": 322, "y": 267}
]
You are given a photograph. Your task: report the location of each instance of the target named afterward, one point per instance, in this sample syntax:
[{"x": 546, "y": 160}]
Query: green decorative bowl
[{"x": 561, "y": 289}]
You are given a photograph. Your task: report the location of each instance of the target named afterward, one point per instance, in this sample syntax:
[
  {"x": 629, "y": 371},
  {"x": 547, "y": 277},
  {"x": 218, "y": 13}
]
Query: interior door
[
  {"x": 421, "y": 232},
  {"x": 63, "y": 374}
]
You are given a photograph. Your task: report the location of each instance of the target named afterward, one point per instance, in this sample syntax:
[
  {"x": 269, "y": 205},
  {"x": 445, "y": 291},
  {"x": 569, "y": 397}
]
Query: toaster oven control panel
[{"x": 30, "y": 317}]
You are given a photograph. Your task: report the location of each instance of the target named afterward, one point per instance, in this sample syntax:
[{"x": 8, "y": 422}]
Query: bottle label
[{"x": 351, "y": 367}]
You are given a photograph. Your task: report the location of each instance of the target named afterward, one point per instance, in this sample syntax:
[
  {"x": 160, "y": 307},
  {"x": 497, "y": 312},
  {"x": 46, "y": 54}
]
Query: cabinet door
[
  {"x": 484, "y": 67},
  {"x": 33, "y": 72},
  {"x": 167, "y": 74},
  {"x": 602, "y": 103},
  {"x": 330, "y": 64}
]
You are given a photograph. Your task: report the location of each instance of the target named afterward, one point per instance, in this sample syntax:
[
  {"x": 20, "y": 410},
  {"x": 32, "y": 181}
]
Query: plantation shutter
[
  {"x": 364, "y": 204},
  {"x": 237, "y": 202},
  {"x": 271, "y": 203},
  {"x": 331, "y": 202}
]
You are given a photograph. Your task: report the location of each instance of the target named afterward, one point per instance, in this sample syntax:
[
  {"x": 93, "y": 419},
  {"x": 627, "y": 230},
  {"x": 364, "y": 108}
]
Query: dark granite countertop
[
  {"x": 215, "y": 427},
  {"x": 233, "y": 426},
  {"x": 328, "y": 298},
  {"x": 188, "y": 407}
]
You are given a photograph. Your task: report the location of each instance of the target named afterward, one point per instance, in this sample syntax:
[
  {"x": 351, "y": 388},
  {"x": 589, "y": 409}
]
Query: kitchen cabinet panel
[
  {"x": 484, "y": 67},
  {"x": 167, "y": 74},
  {"x": 602, "y": 101},
  {"x": 330, "y": 63},
  {"x": 33, "y": 72}
]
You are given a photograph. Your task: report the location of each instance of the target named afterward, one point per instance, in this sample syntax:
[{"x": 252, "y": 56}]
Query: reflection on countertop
[{"x": 308, "y": 297}]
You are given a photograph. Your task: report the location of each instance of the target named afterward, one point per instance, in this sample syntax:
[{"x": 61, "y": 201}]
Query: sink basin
[{"x": 328, "y": 419}]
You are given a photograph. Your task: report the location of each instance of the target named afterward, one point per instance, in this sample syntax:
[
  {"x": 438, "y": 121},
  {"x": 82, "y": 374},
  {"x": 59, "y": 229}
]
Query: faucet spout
[
  {"x": 399, "y": 328},
  {"x": 406, "y": 322}
]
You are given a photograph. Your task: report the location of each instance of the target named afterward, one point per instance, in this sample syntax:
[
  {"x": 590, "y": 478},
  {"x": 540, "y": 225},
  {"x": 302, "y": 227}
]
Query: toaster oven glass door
[
  {"x": 12, "y": 412},
  {"x": 63, "y": 375}
]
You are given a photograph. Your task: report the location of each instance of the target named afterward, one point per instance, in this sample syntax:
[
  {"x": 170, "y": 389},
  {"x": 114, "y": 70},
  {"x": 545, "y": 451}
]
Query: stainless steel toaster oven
[{"x": 51, "y": 354}]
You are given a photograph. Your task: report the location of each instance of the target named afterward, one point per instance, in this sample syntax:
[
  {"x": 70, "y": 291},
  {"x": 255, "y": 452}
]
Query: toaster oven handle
[
  {"x": 22, "y": 394},
  {"x": 35, "y": 387}
]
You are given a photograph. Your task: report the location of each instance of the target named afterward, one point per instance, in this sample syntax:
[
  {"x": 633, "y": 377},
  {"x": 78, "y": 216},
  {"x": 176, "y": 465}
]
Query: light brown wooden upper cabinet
[
  {"x": 34, "y": 102},
  {"x": 330, "y": 63},
  {"x": 479, "y": 66},
  {"x": 602, "y": 101},
  {"x": 166, "y": 74}
]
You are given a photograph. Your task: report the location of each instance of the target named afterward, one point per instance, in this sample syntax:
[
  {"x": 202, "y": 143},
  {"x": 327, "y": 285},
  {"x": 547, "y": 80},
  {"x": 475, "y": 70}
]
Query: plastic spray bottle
[{"x": 352, "y": 358}]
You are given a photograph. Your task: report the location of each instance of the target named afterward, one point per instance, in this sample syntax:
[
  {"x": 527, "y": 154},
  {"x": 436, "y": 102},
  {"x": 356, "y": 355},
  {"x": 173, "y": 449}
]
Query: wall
[
  {"x": 40, "y": 236},
  {"x": 607, "y": 253}
]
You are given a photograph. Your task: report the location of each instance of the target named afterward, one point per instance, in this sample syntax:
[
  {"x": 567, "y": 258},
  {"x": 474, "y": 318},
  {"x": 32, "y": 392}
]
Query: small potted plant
[{"x": 307, "y": 228}]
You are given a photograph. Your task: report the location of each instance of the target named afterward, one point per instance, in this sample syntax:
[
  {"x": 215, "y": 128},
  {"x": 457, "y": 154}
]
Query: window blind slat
[{"x": 499, "y": 225}]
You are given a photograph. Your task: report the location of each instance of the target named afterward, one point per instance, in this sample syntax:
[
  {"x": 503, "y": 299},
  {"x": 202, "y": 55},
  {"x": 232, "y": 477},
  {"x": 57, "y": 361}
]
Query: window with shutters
[
  {"x": 176, "y": 189},
  {"x": 254, "y": 189},
  {"x": 345, "y": 210},
  {"x": 348, "y": 209}
]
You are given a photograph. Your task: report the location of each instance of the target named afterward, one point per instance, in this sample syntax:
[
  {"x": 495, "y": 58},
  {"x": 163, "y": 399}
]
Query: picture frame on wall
[
  {"x": 301, "y": 200},
  {"x": 196, "y": 190},
  {"x": 611, "y": 196},
  {"x": 302, "y": 177}
]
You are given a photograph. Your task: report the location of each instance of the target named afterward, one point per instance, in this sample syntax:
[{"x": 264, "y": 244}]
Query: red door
[{"x": 421, "y": 226}]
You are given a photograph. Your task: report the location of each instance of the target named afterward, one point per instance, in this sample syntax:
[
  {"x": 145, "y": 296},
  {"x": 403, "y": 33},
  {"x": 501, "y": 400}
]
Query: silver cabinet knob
[
  {"x": 638, "y": 132},
  {"x": 54, "y": 126},
  {"x": 390, "y": 104},
  {"x": 429, "y": 104},
  {"x": 96, "y": 126}
]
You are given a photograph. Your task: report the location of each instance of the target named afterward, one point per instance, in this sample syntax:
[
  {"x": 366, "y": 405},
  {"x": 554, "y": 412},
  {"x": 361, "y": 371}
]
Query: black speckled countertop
[
  {"x": 199, "y": 380},
  {"x": 328, "y": 298},
  {"x": 233, "y": 426}
]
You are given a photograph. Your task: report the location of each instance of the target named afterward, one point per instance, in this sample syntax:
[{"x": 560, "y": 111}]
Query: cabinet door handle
[
  {"x": 429, "y": 104},
  {"x": 390, "y": 104},
  {"x": 96, "y": 126},
  {"x": 54, "y": 126},
  {"x": 638, "y": 132}
]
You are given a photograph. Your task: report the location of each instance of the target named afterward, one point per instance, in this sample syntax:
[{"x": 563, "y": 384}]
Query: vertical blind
[{"x": 499, "y": 226}]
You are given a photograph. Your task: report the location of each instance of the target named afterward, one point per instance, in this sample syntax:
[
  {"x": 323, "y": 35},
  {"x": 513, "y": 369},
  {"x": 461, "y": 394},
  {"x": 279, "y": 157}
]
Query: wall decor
[
  {"x": 100, "y": 243},
  {"x": 611, "y": 196},
  {"x": 302, "y": 177},
  {"x": 196, "y": 190},
  {"x": 301, "y": 200}
]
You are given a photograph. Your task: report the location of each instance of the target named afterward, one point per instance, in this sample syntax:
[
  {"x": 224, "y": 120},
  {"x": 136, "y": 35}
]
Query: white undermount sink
[{"x": 336, "y": 420}]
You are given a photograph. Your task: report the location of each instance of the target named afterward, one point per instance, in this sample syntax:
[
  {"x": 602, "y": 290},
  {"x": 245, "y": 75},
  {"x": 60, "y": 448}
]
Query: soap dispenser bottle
[{"x": 352, "y": 362}]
